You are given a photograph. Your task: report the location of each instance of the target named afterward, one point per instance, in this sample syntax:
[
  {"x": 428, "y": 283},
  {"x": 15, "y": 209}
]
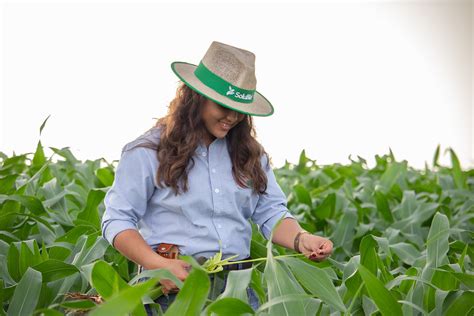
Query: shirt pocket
[{"x": 239, "y": 198}]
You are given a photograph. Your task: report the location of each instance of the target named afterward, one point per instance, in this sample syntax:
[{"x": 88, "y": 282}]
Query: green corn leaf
[
  {"x": 390, "y": 176},
  {"x": 39, "y": 159},
  {"x": 89, "y": 253},
  {"x": 157, "y": 274},
  {"x": 384, "y": 300},
  {"x": 327, "y": 207},
  {"x": 237, "y": 283},
  {"x": 284, "y": 299},
  {"x": 38, "y": 219},
  {"x": 59, "y": 253},
  {"x": 405, "y": 285},
  {"x": 257, "y": 283},
  {"x": 437, "y": 243},
  {"x": 44, "y": 252},
  {"x": 2, "y": 295},
  {"x": 26, "y": 294},
  {"x": 7, "y": 184},
  {"x": 48, "y": 312},
  {"x": 72, "y": 235},
  {"x": 345, "y": 230},
  {"x": 66, "y": 154},
  {"x": 29, "y": 255},
  {"x": 42, "y": 170},
  {"x": 229, "y": 306},
  {"x": 368, "y": 255},
  {"x": 192, "y": 297},
  {"x": 105, "y": 176},
  {"x": 413, "y": 306},
  {"x": 302, "y": 195},
  {"x": 126, "y": 301},
  {"x": 279, "y": 283},
  {"x": 391, "y": 155},
  {"x": 336, "y": 184},
  {"x": 316, "y": 281},
  {"x": 458, "y": 176},
  {"x": 445, "y": 279},
  {"x": 13, "y": 165},
  {"x": 382, "y": 206},
  {"x": 406, "y": 252},
  {"x": 44, "y": 124},
  {"x": 466, "y": 279},
  {"x": 301, "y": 167},
  {"x": 90, "y": 213},
  {"x": 13, "y": 262},
  {"x": 409, "y": 276},
  {"x": 257, "y": 249},
  {"x": 32, "y": 203},
  {"x": 407, "y": 206},
  {"x": 436, "y": 157},
  {"x": 353, "y": 284},
  {"x": 106, "y": 280},
  {"x": 463, "y": 305},
  {"x": 408, "y": 223},
  {"x": 52, "y": 269}
]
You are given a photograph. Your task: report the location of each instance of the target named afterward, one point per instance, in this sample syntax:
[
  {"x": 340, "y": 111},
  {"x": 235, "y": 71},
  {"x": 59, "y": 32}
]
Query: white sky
[{"x": 345, "y": 78}]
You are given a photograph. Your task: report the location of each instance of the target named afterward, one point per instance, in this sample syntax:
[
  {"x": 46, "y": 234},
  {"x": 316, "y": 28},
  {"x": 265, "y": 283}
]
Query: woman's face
[{"x": 218, "y": 120}]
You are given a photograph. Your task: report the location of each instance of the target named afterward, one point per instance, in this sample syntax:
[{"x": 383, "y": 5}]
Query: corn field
[{"x": 402, "y": 243}]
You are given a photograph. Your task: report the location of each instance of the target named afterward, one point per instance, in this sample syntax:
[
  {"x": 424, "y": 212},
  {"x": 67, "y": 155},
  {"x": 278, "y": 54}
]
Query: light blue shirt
[{"x": 215, "y": 208}]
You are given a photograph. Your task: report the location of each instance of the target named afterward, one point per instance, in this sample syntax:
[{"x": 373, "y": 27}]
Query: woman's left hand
[{"x": 314, "y": 247}]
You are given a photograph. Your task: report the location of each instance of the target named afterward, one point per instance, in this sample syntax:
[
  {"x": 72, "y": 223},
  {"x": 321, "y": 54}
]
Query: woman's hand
[
  {"x": 314, "y": 247},
  {"x": 132, "y": 245},
  {"x": 180, "y": 269}
]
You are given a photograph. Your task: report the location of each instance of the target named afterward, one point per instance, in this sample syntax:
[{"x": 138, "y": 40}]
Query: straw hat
[{"x": 226, "y": 75}]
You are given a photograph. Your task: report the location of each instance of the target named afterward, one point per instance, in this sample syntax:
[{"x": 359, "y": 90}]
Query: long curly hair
[{"x": 182, "y": 128}]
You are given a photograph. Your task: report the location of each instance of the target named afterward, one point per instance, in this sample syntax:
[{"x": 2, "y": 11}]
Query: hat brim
[{"x": 259, "y": 107}]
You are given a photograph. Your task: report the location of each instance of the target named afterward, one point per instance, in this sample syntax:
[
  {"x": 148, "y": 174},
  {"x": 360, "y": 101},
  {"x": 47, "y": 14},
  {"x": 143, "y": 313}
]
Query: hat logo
[
  {"x": 239, "y": 95},
  {"x": 244, "y": 96},
  {"x": 231, "y": 91}
]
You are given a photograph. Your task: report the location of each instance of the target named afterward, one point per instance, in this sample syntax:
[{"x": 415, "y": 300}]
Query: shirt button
[
  {"x": 219, "y": 226},
  {"x": 216, "y": 190},
  {"x": 213, "y": 170},
  {"x": 204, "y": 154}
]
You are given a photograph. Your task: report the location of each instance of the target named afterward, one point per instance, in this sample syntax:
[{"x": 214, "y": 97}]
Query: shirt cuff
[
  {"x": 115, "y": 227},
  {"x": 268, "y": 226}
]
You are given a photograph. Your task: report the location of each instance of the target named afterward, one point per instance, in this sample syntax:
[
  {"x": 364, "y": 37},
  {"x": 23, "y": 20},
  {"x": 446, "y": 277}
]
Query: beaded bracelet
[{"x": 297, "y": 240}]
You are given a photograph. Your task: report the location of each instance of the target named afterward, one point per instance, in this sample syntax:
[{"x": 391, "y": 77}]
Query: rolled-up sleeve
[
  {"x": 271, "y": 206},
  {"x": 126, "y": 201}
]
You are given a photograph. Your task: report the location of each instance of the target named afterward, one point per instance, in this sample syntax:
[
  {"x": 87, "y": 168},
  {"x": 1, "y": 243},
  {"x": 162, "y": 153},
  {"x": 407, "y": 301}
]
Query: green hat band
[{"x": 223, "y": 87}]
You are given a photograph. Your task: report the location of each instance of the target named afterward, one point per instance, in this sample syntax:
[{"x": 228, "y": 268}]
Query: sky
[{"x": 346, "y": 78}]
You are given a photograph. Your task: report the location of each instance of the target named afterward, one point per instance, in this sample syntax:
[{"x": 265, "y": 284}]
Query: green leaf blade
[
  {"x": 26, "y": 294},
  {"x": 106, "y": 280},
  {"x": 53, "y": 269},
  {"x": 192, "y": 297},
  {"x": 437, "y": 242},
  {"x": 385, "y": 302},
  {"x": 316, "y": 281}
]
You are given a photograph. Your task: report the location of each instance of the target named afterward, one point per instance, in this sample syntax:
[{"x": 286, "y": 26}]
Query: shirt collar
[{"x": 218, "y": 142}]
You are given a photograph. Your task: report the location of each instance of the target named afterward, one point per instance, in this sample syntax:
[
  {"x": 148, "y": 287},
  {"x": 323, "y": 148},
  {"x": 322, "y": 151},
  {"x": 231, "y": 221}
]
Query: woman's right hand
[
  {"x": 132, "y": 245},
  {"x": 180, "y": 269}
]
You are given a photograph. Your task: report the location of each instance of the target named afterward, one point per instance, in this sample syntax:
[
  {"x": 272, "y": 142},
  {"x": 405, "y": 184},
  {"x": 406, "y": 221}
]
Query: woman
[{"x": 196, "y": 178}]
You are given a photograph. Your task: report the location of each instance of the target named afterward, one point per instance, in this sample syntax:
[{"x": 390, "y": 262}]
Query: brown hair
[{"x": 181, "y": 130}]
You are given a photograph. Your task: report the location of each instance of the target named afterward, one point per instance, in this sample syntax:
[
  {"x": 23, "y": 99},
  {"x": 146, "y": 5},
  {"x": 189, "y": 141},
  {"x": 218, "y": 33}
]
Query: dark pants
[{"x": 218, "y": 284}]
